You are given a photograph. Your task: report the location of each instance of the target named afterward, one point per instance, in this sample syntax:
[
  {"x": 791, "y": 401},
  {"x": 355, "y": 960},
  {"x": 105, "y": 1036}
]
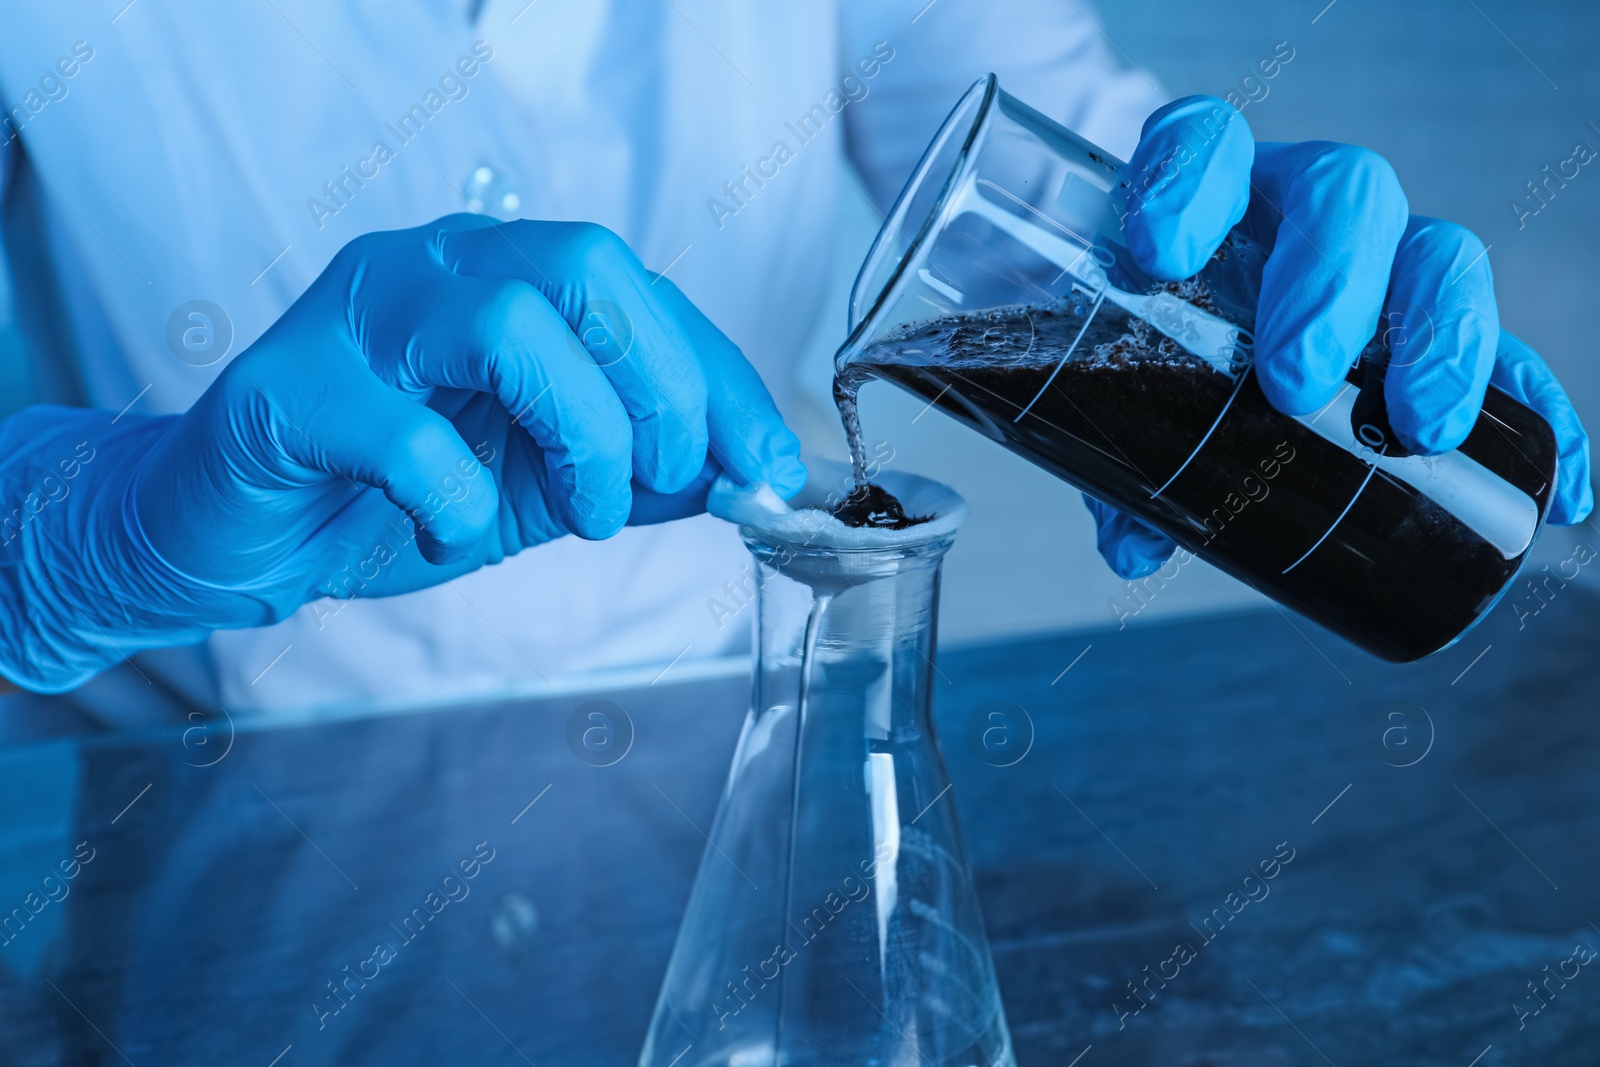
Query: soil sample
[
  {"x": 873, "y": 506},
  {"x": 1295, "y": 510}
]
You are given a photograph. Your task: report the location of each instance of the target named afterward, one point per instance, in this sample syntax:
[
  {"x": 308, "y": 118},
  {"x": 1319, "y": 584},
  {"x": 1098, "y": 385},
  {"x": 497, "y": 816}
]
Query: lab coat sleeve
[
  {"x": 16, "y": 373},
  {"x": 10, "y": 145},
  {"x": 1047, "y": 53},
  {"x": 24, "y": 379}
]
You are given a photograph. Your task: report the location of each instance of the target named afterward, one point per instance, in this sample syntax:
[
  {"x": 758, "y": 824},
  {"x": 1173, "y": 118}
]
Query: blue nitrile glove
[
  {"x": 1345, "y": 249},
  {"x": 502, "y": 385}
]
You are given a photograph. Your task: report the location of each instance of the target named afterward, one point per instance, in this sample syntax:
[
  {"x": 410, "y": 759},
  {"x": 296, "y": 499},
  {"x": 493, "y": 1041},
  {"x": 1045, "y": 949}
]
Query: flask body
[{"x": 833, "y": 919}]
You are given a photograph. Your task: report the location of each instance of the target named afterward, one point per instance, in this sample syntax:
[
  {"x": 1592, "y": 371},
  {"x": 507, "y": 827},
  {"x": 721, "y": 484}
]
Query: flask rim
[{"x": 803, "y": 526}]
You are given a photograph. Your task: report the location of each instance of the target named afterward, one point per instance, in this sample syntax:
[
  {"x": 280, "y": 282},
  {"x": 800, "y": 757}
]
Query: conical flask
[{"x": 833, "y": 919}]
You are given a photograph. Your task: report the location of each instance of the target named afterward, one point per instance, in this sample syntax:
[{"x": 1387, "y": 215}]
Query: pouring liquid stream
[{"x": 867, "y": 504}]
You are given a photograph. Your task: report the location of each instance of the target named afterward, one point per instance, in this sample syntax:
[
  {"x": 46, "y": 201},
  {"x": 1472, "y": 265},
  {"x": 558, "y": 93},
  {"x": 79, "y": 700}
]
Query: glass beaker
[
  {"x": 833, "y": 919},
  {"x": 1000, "y": 289}
]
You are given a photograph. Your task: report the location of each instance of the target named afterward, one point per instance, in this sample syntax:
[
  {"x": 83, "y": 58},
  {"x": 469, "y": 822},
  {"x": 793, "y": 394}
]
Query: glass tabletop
[{"x": 1228, "y": 841}]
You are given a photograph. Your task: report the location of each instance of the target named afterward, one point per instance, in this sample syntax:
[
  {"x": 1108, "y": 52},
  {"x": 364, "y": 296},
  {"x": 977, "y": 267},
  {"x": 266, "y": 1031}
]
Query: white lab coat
[{"x": 224, "y": 152}]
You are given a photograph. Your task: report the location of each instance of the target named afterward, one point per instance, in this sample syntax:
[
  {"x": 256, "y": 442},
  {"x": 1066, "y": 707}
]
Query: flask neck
[
  {"x": 861, "y": 622},
  {"x": 871, "y": 595}
]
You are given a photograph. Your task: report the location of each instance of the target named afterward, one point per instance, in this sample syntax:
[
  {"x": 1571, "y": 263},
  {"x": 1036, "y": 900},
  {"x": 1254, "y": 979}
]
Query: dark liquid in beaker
[{"x": 1199, "y": 452}]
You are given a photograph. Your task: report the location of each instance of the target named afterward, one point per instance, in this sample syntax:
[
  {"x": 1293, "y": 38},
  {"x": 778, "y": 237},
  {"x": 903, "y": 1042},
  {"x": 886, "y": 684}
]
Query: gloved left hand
[
  {"x": 438, "y": 399},
  {"x": 1344, "y": 250}
]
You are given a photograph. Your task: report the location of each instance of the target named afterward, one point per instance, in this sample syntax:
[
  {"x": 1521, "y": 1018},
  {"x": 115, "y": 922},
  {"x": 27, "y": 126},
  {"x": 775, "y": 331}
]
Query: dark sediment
[{"x": 873, "y": 506}]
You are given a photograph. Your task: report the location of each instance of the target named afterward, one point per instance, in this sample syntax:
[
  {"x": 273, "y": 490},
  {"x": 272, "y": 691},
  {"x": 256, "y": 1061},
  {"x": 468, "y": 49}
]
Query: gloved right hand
[
  {"x": 440, "y": 398},
  {"x": 1344, "y": 251}
]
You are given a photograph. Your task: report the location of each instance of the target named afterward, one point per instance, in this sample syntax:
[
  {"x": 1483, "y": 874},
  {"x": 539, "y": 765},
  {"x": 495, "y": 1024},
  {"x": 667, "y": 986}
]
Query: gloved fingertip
[
  {"x": 1168, "y": 239},
  {"x": 453, "y": 529},
  {"x": 1293, "y": 377},
  {"x": 1133, "y": 556},
  {"x": 1287, "y": 393},
  {"x": 1187, "y": 185},
  {"x": 443, "y": 553},
  {"x": 592, "y": 511},
  {"x": 782, "y": 443},
  {"x": 776, "y": 462},
  {"x": 788, "y": 476},
  {"x": 1574, "y": 496},
  {"x": 1435, "y": 434},
  {"x": 1571, "y": 508},
  {"x": 596, "y": 523},
  {"x": 1131, "y": 547}
]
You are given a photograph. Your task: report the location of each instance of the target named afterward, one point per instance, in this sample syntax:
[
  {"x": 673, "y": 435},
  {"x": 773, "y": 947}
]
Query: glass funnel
[
  {"x": 1000, "y": 289},
  {"x": 833, "y": 919}
]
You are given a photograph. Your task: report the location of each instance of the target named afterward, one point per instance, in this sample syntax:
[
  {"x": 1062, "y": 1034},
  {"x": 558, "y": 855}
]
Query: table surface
[{"x": 1440, "y": 818}]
